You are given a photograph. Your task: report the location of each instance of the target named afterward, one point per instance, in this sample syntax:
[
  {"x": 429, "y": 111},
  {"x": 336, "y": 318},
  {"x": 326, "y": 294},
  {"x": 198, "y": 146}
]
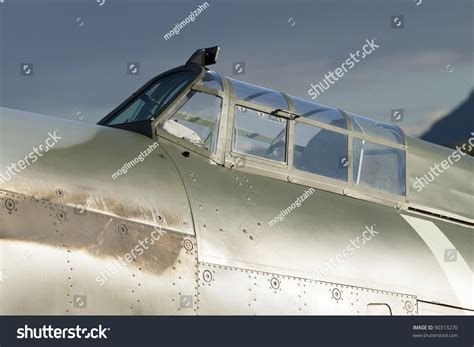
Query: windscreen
[{"x": 154, "y": 100}]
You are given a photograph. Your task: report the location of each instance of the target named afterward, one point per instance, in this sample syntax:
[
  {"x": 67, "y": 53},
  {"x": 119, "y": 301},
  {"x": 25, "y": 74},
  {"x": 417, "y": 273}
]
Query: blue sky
[{"x": 80, "y": 50}]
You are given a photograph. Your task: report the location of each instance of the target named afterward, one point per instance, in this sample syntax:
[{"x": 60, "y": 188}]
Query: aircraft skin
[{"x": 196, "y": 236}]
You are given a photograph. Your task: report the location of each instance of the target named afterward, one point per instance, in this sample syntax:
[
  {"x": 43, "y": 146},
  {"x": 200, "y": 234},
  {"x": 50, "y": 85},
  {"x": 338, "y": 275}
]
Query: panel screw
[
  {"x": 188, "y": 245},
  {"x": 122, "y": 229},
  {"x": 159, "y": 218},
  {"x": 61, "y": 215},
  {"x": 409, "y": 306},
  {"x": 207, "y": 276},
  {"x": 9, "y": 204},
  {"x": 275, "y": 283},
  {"x": 336, "y": 294}
]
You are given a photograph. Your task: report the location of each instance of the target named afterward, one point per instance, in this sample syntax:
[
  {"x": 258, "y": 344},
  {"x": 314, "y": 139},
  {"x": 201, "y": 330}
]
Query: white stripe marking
[{"x": 458, "y": 272}]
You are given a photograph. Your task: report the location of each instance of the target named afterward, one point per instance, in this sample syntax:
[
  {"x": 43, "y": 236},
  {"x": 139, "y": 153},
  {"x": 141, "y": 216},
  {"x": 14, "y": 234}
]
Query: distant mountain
[{"x": 455, "y": 128}]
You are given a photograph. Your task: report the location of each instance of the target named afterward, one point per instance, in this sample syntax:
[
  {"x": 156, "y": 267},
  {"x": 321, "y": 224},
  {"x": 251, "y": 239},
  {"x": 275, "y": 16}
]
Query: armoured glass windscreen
[
  {"x": 379, "y": 167},
  {"x": 320, "y": 113},
  {"x": 258, "y": 95},
  {"x": 377, "y": 129},
  {"x": 259, "y": 134},
  {"x": 197, "y": 121},
  {"x": 155, "y": 99},
  {"x": 320, "y": 151},
  {"x": 212, "y": 79}
]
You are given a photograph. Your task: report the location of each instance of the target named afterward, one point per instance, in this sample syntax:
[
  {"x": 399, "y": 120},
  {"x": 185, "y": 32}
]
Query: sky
[{"x": 80, "y": 50}]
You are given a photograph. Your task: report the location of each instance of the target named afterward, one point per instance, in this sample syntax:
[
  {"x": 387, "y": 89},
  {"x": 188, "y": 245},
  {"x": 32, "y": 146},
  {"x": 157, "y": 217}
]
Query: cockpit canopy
[{"x": 267, "y": 127}]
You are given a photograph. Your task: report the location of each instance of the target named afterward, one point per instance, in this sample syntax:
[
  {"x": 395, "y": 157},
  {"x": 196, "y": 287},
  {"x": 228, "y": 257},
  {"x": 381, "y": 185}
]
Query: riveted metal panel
[
  {"x": 82, "y": 164},
  {"x": 231, "y": 290},
  {"x": 67, "y": 260},
  {"x": 307, "y": 237}
]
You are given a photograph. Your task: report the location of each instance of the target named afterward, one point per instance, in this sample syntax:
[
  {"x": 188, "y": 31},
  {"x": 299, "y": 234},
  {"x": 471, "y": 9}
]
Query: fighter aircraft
[{"x": 201, "y": 194}]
